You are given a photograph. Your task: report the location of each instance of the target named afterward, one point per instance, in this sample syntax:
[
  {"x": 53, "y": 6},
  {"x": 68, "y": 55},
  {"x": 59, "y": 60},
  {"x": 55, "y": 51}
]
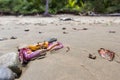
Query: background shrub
[{"x": 56, "y": 6}]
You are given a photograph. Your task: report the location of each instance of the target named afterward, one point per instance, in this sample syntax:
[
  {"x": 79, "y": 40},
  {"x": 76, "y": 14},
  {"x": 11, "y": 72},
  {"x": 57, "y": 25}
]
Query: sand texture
[{"x": 83, "y": 35}]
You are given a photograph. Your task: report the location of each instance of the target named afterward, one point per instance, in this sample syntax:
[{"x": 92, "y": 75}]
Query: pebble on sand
[
  {"x": 13, "y": 37},
  {"x": 26, "y": 30}
]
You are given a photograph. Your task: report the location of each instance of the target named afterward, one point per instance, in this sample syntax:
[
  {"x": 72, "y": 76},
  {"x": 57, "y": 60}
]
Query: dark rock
[
  {"x": 13, "y": 37},
  {"x": 26, "y": 30},
  {"x": 63, "y": 28},
  {"x": 112, "y": 31},
  {"x": 6, "y": 74},
  {"x": 65, "y": 32},
  {"x": 40, "y": 32},
  {"x": 91, "y": 56},
  {"x": 85, "y": 29},
  {"x": 75, "y": 29},
  {"x": 50, "y": 40}
]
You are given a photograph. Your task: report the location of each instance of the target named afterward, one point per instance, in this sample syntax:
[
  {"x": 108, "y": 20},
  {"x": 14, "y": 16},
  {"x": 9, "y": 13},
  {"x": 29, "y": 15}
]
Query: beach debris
[
  {"x": 65, "y": 32},
  {"x": 66, "y": 19},
  {"x": 2, "y": 39},
  {"x": 63, "y": 28},
  {"x": 68, "y": 49},
  {"x": 91, "y": 56},
  {"x": 11, "y": 61},
  {"x": 37, "y": 50},
  {"x": 26, "y": 54},
  {"x": 26, "y": 30},
  {"x": 106, "y": 54},
  {"x": 55, "y": 46},
  {"x": 76, "y": 29},
  {"x": 80, "y": 29},
  {"x": 40, "y": 32},
  {"x": 50, "y": 40},
  {"x": 6, "y": 74},
  {"x": 13, "y": 37},
  {"x": 85, "y": 29},
  {"x": 112, "y": 31}
]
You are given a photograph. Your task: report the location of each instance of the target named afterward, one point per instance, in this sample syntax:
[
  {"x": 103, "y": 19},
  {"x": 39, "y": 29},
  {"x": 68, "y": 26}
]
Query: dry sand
[{"x": 75, "y": 64}]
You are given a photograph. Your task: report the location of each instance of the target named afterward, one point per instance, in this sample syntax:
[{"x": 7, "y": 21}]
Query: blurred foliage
[{"x": 56, "y": 6}]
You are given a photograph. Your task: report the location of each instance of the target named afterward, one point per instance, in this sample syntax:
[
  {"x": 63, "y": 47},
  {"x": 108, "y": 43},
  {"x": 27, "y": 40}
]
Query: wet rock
[
  {"x": 11, "y": 61},
  {"x": 6, "y": 74}
]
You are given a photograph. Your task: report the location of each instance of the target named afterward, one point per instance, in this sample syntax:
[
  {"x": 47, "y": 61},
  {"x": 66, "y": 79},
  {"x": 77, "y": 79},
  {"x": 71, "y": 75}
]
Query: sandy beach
[{"x": 101, "y": 32}]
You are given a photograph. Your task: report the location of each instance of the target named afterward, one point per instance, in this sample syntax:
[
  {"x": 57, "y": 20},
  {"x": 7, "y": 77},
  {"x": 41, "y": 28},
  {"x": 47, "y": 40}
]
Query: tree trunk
[{"x": 46, "y": 13}]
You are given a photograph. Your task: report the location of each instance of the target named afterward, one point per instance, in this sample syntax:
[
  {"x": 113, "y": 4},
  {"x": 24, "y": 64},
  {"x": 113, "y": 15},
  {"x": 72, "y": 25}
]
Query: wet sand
[{"x": 101, "y": 32}]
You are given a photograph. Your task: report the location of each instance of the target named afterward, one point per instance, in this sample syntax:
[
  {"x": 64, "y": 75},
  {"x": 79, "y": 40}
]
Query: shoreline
[{"x": 56, "y": 18}]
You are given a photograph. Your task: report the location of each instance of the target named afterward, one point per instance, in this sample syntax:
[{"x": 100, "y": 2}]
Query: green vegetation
[{"x": 56, "y": 6}]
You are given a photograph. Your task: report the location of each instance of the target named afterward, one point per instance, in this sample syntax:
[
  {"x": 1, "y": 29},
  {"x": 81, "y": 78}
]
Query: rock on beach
[
  {"x": 6, "y": 74},
  {"x": 10, "y": 60}
]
